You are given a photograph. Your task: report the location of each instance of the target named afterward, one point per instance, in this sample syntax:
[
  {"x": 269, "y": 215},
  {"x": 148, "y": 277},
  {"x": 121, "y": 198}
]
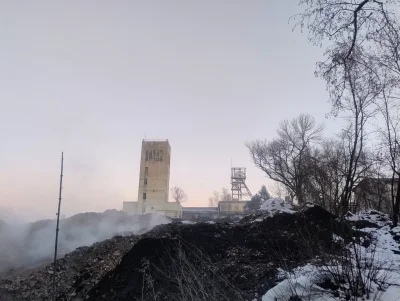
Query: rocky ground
[
  {"x": 76, "y": 273},
  {"x": 202, "y": 261}
]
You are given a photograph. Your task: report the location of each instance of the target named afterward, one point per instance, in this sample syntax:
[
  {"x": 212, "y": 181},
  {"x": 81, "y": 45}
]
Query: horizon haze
[{"x": 94, "y": 78}]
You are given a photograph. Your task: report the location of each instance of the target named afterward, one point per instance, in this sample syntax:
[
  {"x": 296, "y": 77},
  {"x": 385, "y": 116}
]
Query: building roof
[
  {"x": 233, "y": 202},
  {"x": 155, "y": 140},
  {"x": 197, "y": 209},
  {"x": 381, "y": 180}
]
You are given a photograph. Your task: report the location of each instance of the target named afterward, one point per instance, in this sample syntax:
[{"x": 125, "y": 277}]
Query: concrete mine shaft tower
[
  {"x": 153, "y": 192},
  {"x": 154, "y": 172}
]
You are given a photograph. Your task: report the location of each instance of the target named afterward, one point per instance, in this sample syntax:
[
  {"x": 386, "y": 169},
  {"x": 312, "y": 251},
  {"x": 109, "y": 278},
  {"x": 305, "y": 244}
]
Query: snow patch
[
  {"x": 372, "y": 216},
  {"x": 391, "y": 294},
  {"x": 275, "y": 205},
  {"x": 300, "y": 282},
  {"x": 188, "y": 222},
  {"x": 396, "y": 229},
  {"x": 337, "y": 238}
]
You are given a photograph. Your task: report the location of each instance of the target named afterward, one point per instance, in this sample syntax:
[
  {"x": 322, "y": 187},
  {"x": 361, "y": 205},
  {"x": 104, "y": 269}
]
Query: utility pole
[{"x": 57, "y": 229}]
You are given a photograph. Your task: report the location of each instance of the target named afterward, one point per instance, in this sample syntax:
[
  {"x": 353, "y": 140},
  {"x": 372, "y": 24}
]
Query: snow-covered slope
[{"x": 378, "y": 262}]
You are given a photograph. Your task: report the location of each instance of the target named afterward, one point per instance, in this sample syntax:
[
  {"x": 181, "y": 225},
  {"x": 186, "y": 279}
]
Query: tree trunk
[
  {"x": 379, "y": 195},
  {"x": 299, "y": 195},
  {"x": 396, "y": 206}
]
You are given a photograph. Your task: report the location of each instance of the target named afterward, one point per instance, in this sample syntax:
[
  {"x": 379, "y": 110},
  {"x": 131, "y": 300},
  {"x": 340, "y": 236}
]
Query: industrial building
[
  {"x": 374, "y": 194},
  {"x": 231, "y": 208},
  {"x": 200, "y": 213},
  {"x": 224, "y": 209},
  {"x": 153, "y": 192},
  {"x": 235, "y": 207}
]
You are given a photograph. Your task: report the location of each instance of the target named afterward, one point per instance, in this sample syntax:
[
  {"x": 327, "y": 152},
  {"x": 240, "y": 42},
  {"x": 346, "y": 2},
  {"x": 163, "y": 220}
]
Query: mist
[{"x": 32, "y": 244}]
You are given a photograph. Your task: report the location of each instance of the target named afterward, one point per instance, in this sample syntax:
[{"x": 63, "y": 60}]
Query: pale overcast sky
[{"x": 92, "y": 77}]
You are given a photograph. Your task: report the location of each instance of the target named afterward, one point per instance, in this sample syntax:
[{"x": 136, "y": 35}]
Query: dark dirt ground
[
  {"x": 239, "y": 259},
  {"x": 247, "y": 254}
]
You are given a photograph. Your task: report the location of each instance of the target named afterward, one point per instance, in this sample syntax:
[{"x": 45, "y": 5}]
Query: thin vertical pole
[
  {"x": 57, "y": 228},
  {"x": 231, "y": 180}
]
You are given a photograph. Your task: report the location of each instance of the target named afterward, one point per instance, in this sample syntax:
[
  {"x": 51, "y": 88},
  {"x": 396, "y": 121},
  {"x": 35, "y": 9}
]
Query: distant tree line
[
  {"x": 217, "y": 196},
  {"x": 257, "y": 199},
  {"x": 317, "y": 169}
]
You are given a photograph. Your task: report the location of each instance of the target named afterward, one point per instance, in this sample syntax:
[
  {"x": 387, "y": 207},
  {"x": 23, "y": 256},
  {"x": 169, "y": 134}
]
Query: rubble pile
[
  {"x": 76, "y": 273},
  {"x": 248, "y": 256},
  {"x": 232, "y": 260}
]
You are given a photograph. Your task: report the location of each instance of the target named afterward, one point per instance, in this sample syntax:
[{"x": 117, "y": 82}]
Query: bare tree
[
  {"x": 330, "y": 166},
  {"x": 178, "y": 194},
  {"x": 211, "y": 202},
  {"x": 214, "y": 199},
  {"x": 326, "y": 175},
  {"x": 350, "y": 31},
  {"x": 225, "y": 195},
  {"x": 361, "y": 51},
  {"x": 279, "y": 190},
  {"x": 354, "y": 88},
  {"x": 386, "y": 56},
  {"x": 354, "y": 136},
  {"x": 284, "y": 159},
  {"x": 390, "y": 139}
]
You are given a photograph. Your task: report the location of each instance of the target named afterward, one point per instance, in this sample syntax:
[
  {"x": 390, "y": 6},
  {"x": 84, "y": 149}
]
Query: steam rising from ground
[{"x": 32, "y": 244}]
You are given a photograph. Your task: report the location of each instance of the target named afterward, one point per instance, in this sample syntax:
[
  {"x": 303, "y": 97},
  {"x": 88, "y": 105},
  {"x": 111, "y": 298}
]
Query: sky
[{"x": 94, "y": 78}]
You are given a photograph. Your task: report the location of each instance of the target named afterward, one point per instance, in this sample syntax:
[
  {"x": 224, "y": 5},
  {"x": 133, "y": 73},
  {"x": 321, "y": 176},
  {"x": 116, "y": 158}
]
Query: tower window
[
  {"x": 147, "y": 155},
  {"x": 144, "y": 195},
  {"x": 146, "y": 170},
  {"x": 145, "y": 181}
]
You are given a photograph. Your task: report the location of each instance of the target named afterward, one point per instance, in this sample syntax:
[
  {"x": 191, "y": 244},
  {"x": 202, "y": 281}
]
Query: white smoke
[{"x": 31, "y": 244}]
